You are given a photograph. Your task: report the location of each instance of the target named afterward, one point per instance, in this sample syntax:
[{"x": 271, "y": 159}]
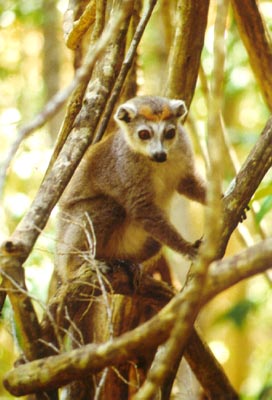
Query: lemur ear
[
  {"x": 126, "y": 113},
  {"x": 179, "y": 108}
]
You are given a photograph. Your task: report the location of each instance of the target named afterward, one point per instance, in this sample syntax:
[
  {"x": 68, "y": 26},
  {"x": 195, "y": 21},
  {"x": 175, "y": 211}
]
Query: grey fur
[{"x": 126, "y": 192}]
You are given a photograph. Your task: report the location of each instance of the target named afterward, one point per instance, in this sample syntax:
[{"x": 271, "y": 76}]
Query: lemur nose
[{"x": 160, "y": 156}]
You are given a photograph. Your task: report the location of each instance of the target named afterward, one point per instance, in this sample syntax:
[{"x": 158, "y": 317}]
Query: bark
[
  {"x": 248, "y": 179},
  {"x": 186, "y": 50},
  {"x": 51, "y": 59},
  {"x": 244, "y": 185},
  {"x": 170, "y": 316},
  {"x": 75, "y": 30},
  {"x": 29, "y": 228},
  {"x": 257, "y": 41},
  {"x": 57, "y": 370},
  {"x": 209, "y": 372},
  {"x": 16, "y": 249}
]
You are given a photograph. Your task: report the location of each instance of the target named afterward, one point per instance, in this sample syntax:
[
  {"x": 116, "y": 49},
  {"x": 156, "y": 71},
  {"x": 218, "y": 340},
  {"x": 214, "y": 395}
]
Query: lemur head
[{"x": 150, "y": 124}]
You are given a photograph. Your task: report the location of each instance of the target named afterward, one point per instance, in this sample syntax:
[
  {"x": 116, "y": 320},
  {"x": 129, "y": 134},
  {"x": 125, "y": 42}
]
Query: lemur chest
[{"x": 165, "y": 182}]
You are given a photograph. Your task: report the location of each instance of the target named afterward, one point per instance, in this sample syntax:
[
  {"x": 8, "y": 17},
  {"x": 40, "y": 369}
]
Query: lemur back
[{"x": 125, "y": 184}]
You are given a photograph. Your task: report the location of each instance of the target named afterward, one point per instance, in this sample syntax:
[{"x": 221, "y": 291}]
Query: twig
[
  {"x": 101, "y": 384},
  {"x": 232, "y": 164},
  {"x": 91, "y": 238},
  {"x": 232, "y": 269}
]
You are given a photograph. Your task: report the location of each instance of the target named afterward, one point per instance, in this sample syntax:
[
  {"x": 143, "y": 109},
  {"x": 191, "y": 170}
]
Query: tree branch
[
  {"x": 157, "y": 330},
  {"x": 186, "y": 49},
  {"x": 257, "y": 41},
  {"x": 74, "y": 31},
  {"x": 58, "y": 370},
  {"x": 248, "y": 179},
  {"x": 15, "y": 250},
  {"x": 243, "y": 187},
  {"x": 226, "y": 273},
  {"x": 208, "y": 371}
]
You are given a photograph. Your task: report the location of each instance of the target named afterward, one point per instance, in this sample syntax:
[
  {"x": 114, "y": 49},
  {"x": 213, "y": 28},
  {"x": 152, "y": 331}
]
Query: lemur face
[{"x": 150, "y": 125}]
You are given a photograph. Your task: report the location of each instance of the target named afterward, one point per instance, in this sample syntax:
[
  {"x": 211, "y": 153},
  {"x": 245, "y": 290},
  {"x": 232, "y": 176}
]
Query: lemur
[{"x": 125, "y": 184}]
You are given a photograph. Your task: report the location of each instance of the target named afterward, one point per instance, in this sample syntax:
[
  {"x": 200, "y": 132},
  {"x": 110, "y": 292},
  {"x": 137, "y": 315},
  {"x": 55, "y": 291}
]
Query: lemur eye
[
  {"x": 144, "y": 134},
  {"x": 170, "y": 133}
]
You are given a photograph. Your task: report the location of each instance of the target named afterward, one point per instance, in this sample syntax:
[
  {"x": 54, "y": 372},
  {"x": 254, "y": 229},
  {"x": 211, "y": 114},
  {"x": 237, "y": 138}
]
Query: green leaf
[
  {"x": 263, "y": 191},
  {"x": 265, "y": 208},
  {"x": 238, "y": 313}
]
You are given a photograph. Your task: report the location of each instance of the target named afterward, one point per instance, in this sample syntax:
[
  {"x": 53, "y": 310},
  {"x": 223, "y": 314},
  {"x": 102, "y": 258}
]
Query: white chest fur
[{"x": 165, "y": 179}]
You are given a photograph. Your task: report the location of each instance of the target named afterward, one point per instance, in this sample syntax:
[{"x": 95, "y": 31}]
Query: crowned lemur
[{"x": 125, "y": 184}]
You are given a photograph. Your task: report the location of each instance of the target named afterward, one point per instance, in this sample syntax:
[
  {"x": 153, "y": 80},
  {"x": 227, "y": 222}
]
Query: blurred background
[{"x": 35, "y": 64}]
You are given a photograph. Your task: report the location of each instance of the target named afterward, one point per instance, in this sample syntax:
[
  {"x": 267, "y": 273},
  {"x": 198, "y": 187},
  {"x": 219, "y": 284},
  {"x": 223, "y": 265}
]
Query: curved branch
[
  {"x": 157, "y": 329},
  {"x": 237, "y": 198},
  {"x": 56, "y": 371},
  {"x": 257, "y": 42},
  {"x": 74, "y": 32},
  {"x": 225, "y": 273}
]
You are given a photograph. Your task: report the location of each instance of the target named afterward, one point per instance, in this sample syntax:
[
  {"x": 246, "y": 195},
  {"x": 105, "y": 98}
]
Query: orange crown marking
[{"x": 155, "y": 115}]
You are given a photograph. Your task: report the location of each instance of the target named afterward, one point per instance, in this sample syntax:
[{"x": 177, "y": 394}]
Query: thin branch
[
  {"x": 16, "y": 287},
  {"x": 74, "y": 32},
  {"x": 101, "y": 383},
  {"x": 14, "y": 283},
  {"x": 75, "y": 102},
  {"x": 241, "y": 190},
  {"x": 231, "y": 162},
  {"x": 226, "y": 273},
  {"x": 258, "y": 43},
  {"x": 213, "y": 211},
  {"x": 160, "y": 376},
  {"x": 91, "y": 239}
]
